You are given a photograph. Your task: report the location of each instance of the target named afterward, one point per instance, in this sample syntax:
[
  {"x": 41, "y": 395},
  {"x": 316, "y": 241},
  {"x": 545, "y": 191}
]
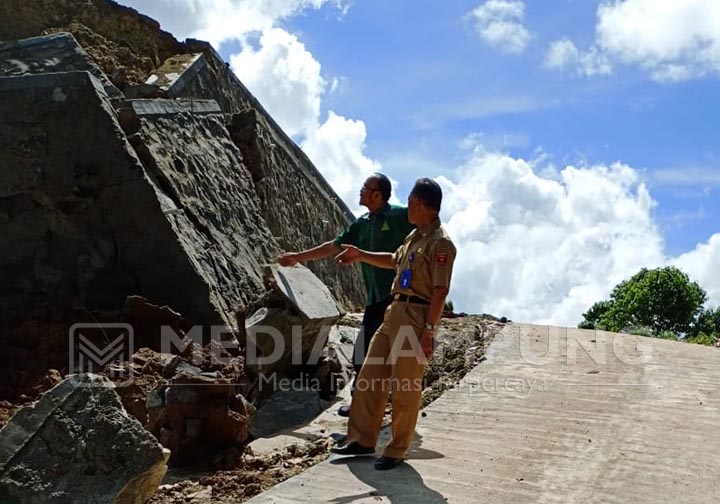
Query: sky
[{"x": 575, "y": 140}]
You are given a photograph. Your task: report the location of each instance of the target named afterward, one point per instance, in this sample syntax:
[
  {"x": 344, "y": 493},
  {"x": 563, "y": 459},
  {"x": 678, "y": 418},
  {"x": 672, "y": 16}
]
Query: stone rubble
[{"x": 77, "y": 444}]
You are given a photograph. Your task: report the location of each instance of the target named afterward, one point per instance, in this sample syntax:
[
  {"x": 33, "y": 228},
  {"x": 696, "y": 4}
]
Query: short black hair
[
  {"x": 384, "y": 185},
  {"x": 428, "y": 192}
]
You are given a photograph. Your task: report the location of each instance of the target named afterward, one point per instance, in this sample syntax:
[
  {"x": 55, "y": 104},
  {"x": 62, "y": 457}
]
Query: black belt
[{"x": 411, "y": 299}]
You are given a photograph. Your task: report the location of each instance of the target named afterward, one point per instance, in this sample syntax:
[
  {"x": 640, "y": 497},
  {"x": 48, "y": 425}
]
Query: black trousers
[{"x": 372, "y": 320}]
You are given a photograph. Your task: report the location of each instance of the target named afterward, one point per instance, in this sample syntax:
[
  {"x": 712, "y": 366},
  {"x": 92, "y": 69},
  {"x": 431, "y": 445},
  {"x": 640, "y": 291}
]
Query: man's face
[
  {"x": 369, "y": 193},
  {"x": 413, "y": 207}
]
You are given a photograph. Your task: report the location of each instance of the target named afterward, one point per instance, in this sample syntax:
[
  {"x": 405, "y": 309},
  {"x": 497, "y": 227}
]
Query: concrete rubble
[
  {"x": 296, "y": 332},
  {"x": 77, "y": 444}
]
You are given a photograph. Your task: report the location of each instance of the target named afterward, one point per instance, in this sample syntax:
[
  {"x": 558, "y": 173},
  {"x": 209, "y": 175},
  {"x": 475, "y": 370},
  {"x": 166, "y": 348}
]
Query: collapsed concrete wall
[
  {"x": 131, "y": 48},
  {"x": 210, "y": 199},
  {"x": 82, "y": 222},
  {"x": 298, "y": 204},
  {"x": 77, "y": 444}
]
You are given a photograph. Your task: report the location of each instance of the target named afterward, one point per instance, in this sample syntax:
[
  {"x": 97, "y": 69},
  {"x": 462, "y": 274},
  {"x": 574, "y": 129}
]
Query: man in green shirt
[{"x": 382, "y": 229}]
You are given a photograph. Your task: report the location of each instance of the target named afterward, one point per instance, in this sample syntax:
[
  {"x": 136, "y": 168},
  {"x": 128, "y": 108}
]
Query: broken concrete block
[
  {"x": 77, "y": 444},
  {"x": 279, "y": 338},
  {"x": 86, "y": 223},
  {"x": 305, "y": 293},
  {"x": 208, "y": 198},
  {"x": 50, "y": 54},
  {"x": 196, "y": 416},
  {"x": 177, "y": 73},
  {"x": 148, "y": 108}
]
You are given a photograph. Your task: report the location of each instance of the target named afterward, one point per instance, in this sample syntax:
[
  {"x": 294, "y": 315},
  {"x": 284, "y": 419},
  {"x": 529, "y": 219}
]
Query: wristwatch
[{"x": 429, "y": 327}]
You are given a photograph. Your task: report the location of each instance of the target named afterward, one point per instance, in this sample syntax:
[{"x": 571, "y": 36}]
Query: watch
[{"x": 429, "y": 327}]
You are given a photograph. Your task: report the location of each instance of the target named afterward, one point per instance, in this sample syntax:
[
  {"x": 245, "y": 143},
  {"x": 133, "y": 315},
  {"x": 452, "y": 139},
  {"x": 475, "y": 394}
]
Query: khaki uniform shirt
[{"x": 429, "y": 254}]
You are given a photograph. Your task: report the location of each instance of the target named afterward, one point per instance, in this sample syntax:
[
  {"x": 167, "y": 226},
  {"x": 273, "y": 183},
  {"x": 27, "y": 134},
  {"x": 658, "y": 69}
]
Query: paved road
[{"x": 543, "y": 420}]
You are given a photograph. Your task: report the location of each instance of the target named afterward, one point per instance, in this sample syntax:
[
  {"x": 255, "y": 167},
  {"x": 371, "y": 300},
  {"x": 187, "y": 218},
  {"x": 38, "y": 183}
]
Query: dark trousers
[{"x": 372, "y": 320}]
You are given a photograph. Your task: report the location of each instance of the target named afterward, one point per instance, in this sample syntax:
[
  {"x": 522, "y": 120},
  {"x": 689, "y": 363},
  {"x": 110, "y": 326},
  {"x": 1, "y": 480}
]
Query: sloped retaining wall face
[
  {"x": 81, "y": 223},
  {"x": 295, "y": 205},
  {"x": 300, "y": 207},
  {"x": 210, "y": 201}
]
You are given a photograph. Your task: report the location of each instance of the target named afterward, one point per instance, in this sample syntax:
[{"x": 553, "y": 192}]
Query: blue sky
[
  {"x": 574, "y": 140},
  {"x": 436, "y": 71}
]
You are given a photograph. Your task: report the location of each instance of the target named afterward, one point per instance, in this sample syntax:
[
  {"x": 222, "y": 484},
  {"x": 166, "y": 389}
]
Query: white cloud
[
  {"x": 500, "y": 24},
  {"x": 543, "y": 249},
  {"x": 564, "y": 54},
  {"x": 673, "y": 41},
  {"x": 701, "y": 265},
  {"x": 336, "y": 148},
  {"x": 220, "y": 20},
  {"x": 285, "y": 77}
]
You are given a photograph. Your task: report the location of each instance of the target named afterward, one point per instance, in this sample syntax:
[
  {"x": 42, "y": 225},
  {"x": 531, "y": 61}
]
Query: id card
[{"x": 405, "y": 278}]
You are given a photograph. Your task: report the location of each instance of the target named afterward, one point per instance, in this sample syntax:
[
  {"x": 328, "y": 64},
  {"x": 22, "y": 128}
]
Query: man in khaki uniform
[{"x": 401, "y": 346}]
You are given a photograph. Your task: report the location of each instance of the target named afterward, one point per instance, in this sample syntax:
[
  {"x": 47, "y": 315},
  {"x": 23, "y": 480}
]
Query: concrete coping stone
[
  {"x": 55, "y": 80},
  {"x": 176, "y": 70},
  {"x": 305, "y": 291},
  {"x": 156, "y": 107},
  {"x": 51, "y": 49}
]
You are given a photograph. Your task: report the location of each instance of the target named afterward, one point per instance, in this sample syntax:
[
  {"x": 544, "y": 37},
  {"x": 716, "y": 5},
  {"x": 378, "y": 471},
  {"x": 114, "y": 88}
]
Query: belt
[{"x": 411, "y": 299}]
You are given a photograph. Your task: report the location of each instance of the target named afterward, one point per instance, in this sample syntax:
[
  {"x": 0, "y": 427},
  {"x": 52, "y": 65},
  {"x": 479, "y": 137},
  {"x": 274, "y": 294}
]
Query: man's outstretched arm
[
  {"x": 352, "y": 254},
  {"x": 320, "y": 252}
]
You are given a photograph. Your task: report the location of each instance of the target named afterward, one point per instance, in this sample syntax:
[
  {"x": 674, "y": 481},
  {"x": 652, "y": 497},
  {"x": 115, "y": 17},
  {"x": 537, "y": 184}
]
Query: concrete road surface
[{"x": 552, "y": 416}]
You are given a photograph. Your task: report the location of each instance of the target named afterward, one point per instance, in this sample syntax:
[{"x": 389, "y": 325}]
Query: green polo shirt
[{"x": 383, "y": 231}]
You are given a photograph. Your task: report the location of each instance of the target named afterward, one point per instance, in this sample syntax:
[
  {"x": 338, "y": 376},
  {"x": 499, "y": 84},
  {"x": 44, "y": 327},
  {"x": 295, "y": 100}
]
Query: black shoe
[
  {"x": 353, "y": 448},
  {"x": 384, "y": 463},
  {"x": 344, "y": 411}
]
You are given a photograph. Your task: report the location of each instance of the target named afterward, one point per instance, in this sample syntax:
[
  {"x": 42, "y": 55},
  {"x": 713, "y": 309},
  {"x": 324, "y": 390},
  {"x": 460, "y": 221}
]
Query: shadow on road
[{"x": 401, "y": 485}]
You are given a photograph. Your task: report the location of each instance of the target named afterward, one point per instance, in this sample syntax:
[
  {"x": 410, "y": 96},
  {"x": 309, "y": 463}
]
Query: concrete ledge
[
  {"x": 55, "y": 53},
  {"x": 52, "y": 80},
  {"x": 171, "y": 107}
]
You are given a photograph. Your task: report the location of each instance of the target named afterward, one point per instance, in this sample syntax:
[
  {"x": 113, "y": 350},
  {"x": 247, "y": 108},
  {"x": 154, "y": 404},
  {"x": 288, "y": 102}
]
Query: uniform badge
[
  {"x": 441, "y": 258},
  {"x": 385, "y": 227},
  {"x": 405, "y": 278}
]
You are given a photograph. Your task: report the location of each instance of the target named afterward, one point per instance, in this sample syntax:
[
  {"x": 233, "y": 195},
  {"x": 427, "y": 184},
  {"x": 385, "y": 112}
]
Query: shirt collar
[
  {"x": 430, "y": 227},
  {"x": 382, "y": 210}
]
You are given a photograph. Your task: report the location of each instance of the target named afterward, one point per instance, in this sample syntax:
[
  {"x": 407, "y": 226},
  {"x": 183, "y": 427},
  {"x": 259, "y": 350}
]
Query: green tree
[
  {"x": 662, "y": 299},
  {"x": 591, "y": 318},
  {"x": 706, "y": 329}
]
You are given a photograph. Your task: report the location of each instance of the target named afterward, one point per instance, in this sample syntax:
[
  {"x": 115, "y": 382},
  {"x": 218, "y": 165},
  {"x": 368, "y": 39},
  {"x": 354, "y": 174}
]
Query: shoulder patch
[{"x": 441, "y": 258}]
